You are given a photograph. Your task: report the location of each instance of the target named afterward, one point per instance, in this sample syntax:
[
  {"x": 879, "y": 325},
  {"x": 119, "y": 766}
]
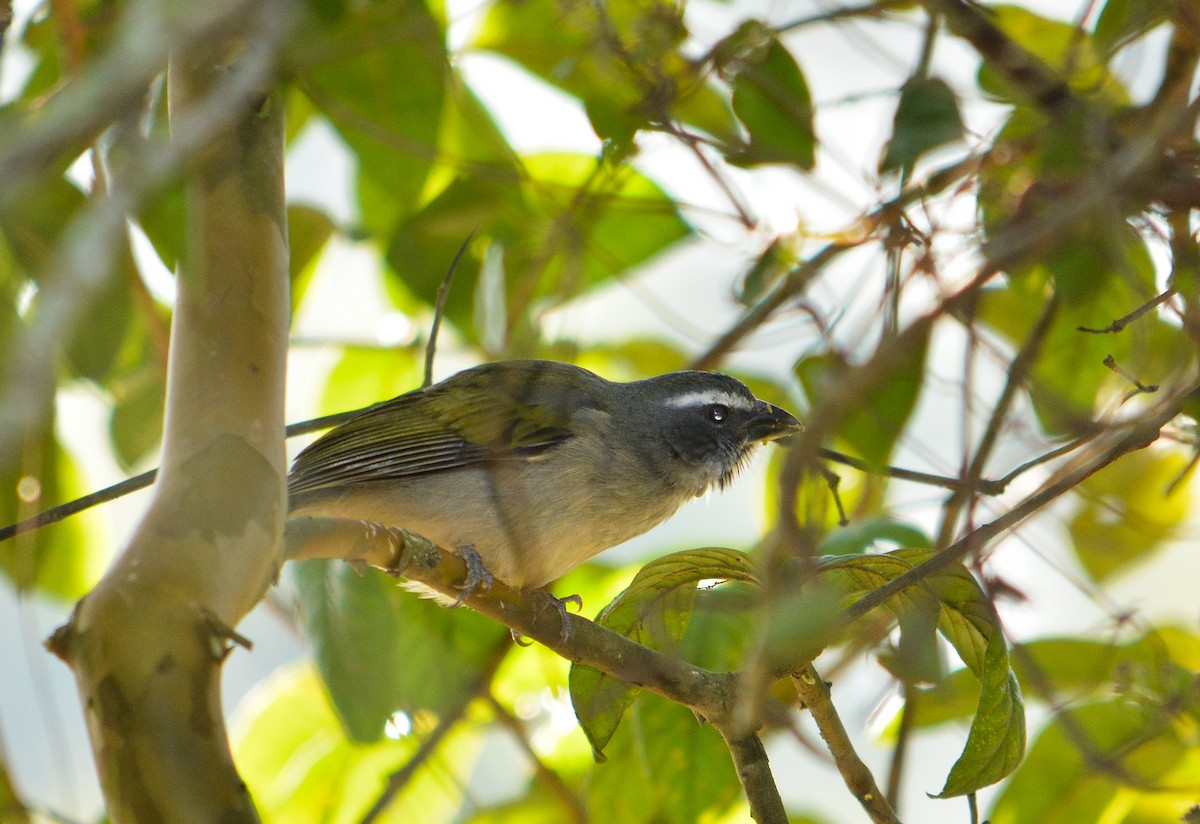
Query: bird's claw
[
  {"x": 478, "y": 578},
  {"x": 560, "y": 606}
]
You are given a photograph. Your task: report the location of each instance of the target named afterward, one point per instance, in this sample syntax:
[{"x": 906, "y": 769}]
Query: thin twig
[
  {"x": 983, "y": 486},
  {"x": 439, "y": 308},
  {"x": 903, "y": 739},
  {"x": 1018, "y": 371},
  {"x": 876, "y": 10},
  {"x": 1133, "y": 437},
  {"x": 798, "y": 279},
  {"x": 549, "y": 778},
  {"x": 122, "y": 488},
  {"x": 1139, "y": 387},
  {"x": 399, "y": 779},
  {"x": 1119, "y": 324},
  {"x": 815, "y": 695}
]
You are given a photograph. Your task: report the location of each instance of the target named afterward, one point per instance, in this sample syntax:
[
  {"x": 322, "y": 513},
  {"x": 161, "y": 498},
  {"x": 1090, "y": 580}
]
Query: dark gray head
[{"x": 707, "y": 425}]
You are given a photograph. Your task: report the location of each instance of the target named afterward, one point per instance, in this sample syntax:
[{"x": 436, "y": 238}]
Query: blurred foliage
[{"x": 1094, "y": 320}]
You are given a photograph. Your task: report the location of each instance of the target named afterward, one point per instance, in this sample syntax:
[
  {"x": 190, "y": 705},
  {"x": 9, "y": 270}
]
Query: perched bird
[{"x": 533, "y": 466}]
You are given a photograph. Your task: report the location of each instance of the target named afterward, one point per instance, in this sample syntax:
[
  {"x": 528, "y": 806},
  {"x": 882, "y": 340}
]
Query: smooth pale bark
[{"x": 147, "y": 644}]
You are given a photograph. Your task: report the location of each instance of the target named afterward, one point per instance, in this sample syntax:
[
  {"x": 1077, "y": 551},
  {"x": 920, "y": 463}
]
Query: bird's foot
[
  {"x": 560, "y": 606},
  {"x": 478, "y": 577}
]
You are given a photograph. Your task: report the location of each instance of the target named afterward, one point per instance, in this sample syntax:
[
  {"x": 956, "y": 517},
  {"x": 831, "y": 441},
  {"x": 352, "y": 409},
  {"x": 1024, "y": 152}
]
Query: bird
[{"x": 532, "y": 467}]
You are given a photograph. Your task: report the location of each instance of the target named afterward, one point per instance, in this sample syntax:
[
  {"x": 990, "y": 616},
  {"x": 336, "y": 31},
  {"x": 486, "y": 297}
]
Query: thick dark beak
[{"x": 772, "y": 423}]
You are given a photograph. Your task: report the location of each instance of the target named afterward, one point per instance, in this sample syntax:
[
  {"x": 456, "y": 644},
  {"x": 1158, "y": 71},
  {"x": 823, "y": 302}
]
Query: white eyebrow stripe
[{"x": 712, "y": 396}]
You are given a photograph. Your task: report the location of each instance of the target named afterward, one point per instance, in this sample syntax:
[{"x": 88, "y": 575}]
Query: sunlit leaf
[
  {"x": 574, "y": 46},
  {"x": 301, "y": 767},
  {"x": 967, "y": 619},
  {"x": 1061, "y": 781},
  {"x": 136, "y": 422},
  {"x": 574, "y": 223},
  {"x": 1122, "y": 21},
  {"x": 378, "y": 73},
  {"x": 366, "y": 376},
  {"x": 1129, "y": 511},
  {"x": 59, "y": 560},
  {"x": 863, "y": 536},
  {"x": 308, "y": 231},
  {"x": 163, "y": 219},
  {"x": 1069, "y": 380},
  {"x": 1061, "y": 46}
]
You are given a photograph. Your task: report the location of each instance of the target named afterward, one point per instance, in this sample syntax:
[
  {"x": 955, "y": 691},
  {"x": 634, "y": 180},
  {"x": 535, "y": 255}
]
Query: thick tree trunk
[{"x": 147, "y": 644}]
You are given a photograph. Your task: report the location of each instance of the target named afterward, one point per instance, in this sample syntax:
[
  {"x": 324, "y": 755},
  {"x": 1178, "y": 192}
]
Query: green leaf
[
  {"x": 572, "y": 224},
  {"x": 366, "y": 376},
  {"x": 873, "y": 427},
  {"x": 31, "y": 234},
  {"x": 863, "y": 536},
  {"x": 996, "y": 742},
  {"x": 300, "y": 766},
  {"x": 771, "y": 99},
  {"x": 1122, "y": 21},
  {"x": 967, "y": 619},
  {"x": 164, "y": 219},
  {"x": 375, "y": 645},
  {"x": 97, "y": 339},
  {"x": 1069, "y": 380},
  {"x": 59, "y": 560},
  {"x": 137, "y": 415},
  {"x": 654, "y": 610},
  {"x": 1064, "y": 48},
  {"x": 664, "y": 765},
  {"x": 1059, "y": 782},
  {"x": 1129, "y": 511},
  {"x": 927, "y": 117},
  {"x": 1158, "y": 664},
  {"x": 309, "y": 229},
  {"x": 623, "y": 87},
  {"x": 378, "y": 73}
]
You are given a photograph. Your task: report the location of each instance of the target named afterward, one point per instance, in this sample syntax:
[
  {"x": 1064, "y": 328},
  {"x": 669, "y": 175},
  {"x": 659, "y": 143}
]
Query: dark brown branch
[{"x": 1029, "y": 74}]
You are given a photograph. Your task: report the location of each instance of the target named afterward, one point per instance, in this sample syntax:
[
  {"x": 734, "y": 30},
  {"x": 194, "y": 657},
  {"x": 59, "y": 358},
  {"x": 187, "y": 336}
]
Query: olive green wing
[{"x": 485, "y": 414}]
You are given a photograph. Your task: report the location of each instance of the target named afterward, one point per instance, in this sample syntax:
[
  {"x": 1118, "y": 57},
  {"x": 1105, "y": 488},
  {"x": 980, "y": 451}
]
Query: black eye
[{"x": 717, "y": 413}]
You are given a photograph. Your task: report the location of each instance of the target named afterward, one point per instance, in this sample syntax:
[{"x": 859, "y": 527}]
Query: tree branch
[
  {"x": 754, "y": 772},
  {"x": 815, "y": 695},
  {"x": 533, "y": 615}
]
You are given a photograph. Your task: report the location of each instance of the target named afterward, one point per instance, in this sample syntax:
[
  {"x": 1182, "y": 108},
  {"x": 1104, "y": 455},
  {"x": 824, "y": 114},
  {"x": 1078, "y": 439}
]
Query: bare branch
[
  {"x": 754, "y": 773},
  {"x": 815, "y": 695}
]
